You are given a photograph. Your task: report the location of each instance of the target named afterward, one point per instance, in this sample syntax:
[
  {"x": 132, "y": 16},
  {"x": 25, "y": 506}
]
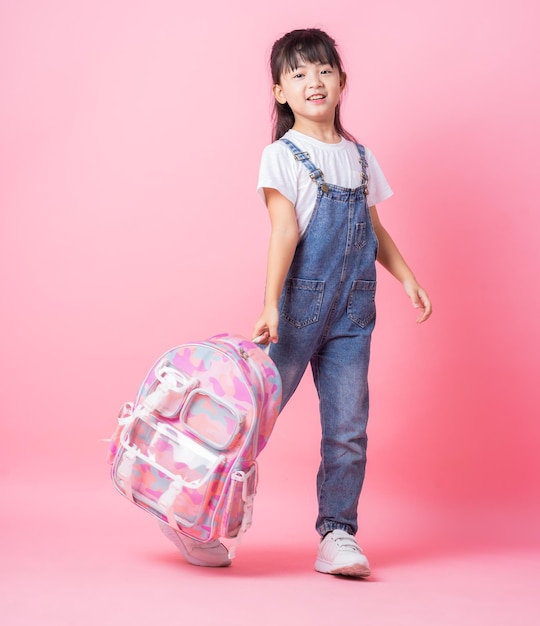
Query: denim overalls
[{"x": 327, "y": 315}]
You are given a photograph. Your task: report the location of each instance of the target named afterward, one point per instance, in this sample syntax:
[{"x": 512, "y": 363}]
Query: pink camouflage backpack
[{"x": 186, "y": 449}]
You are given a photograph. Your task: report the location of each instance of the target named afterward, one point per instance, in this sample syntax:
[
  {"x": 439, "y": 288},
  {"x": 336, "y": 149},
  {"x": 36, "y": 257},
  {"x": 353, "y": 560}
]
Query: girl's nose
[{"x": 315, "y": 79}]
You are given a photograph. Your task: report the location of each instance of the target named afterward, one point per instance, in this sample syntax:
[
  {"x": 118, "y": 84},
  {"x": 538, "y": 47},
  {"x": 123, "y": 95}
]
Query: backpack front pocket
[
  {"x": 211, "y": 419},
  {"x": 167, "y": 472}
]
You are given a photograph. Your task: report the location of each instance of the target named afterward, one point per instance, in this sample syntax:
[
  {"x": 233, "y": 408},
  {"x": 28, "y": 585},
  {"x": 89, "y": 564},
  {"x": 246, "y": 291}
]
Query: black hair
[{"x": 311, "y": 45}]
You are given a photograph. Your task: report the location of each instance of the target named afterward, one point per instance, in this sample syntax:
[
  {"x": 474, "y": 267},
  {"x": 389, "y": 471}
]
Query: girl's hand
[
  {"x": 390, "y": 257},
  {"x": 266, "y": 326},
  {"x": 419, "y": 299}
]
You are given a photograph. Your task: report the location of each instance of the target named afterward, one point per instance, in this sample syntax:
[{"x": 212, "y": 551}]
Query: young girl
[{"x": 321, "y": 189}]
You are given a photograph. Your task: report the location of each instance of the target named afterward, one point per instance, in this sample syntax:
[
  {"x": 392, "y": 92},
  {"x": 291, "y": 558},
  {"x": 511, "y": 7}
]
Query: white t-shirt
[{"x": 338, "y": 162}]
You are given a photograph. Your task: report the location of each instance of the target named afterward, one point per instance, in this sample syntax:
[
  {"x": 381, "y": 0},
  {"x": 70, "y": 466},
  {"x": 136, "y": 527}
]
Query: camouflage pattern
[{"x": 191, "y": 460}]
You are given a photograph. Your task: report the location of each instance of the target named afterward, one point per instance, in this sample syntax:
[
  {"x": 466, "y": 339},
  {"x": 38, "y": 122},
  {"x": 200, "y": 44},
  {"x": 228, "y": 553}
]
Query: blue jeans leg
[{"x": 340, "y": 375}]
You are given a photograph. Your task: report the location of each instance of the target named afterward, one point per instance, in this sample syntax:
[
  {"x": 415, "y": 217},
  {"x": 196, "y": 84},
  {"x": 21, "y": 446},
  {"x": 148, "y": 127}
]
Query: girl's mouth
[{"x": 316, "y": 97}]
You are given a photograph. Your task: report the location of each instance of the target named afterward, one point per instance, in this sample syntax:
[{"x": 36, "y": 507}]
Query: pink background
[{"x": 130, "y": 138}]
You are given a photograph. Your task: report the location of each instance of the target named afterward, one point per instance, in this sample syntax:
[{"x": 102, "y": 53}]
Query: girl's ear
[
  {"x": 277, "y": 91},
  {"x": 343, "y": 81}
]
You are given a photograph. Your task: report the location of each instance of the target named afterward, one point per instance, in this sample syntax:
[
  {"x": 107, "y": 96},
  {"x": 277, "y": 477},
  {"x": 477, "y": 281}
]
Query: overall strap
[
  {"x": 315, "y": 173},
  {"x": 363, "y": 162}
]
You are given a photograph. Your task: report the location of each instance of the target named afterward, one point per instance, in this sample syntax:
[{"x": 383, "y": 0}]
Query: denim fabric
[{"x": 327, "y": 315}]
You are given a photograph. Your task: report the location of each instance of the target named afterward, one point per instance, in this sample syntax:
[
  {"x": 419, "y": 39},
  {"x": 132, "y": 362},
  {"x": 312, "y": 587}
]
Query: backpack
[{"x": 185, "y": 450}]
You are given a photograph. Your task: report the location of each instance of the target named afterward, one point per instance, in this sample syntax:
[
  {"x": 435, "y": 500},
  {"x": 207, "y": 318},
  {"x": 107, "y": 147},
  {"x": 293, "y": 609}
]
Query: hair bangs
[{"x": 308, "y": 46}]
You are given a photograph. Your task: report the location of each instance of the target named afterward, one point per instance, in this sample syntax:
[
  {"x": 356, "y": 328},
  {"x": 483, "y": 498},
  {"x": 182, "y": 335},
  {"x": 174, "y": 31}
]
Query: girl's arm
[
  {"x": 390, "y": 258},
  {"x": 283, "y": 242}
]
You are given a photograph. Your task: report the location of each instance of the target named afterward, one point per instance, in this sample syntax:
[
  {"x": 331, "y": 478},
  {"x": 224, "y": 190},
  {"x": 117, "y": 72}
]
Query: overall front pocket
[
  {"x": 303, "y": 301},
  {"x": 361, "y": 302}
]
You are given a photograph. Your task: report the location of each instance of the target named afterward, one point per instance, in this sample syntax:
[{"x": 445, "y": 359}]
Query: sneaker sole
[
  {"x": 356, "y": 570},
  {"x": 172, "y": 536}
]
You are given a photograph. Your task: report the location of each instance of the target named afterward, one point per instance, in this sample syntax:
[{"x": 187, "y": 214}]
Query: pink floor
[{"x": 113, "y": 566}]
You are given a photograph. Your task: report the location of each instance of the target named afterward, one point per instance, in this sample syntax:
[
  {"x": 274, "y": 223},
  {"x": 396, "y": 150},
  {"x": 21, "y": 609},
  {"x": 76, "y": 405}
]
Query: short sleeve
[
  {"x": 278, "y": 170},
  {"x": 378, "y": 187}
]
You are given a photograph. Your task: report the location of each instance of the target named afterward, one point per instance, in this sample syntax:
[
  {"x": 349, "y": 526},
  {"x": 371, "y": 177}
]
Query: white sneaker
[
  {"x": 211, "y": 554},
  {"x": 340, "y": 554}
]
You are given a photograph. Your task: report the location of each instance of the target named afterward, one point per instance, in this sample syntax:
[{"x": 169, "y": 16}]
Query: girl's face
[{"x": 312, "y": 90}]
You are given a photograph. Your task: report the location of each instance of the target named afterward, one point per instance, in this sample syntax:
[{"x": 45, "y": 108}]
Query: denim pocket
[
  {"x": 360, "y": 235},
  {"x": 361, "y": 303},
  {"x": 302, "y": 302}
]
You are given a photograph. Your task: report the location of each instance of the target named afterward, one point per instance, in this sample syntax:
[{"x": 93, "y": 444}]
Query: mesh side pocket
[
  {"x": 239, "y": 503},
  {"x": 124, "y": 414}
]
